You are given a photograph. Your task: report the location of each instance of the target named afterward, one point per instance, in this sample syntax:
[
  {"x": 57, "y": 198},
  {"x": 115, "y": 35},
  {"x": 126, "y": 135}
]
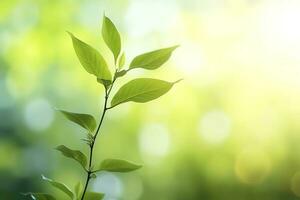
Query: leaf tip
[
  {"x": 61, "y": 111},
  {"x": 177, "y": 81},
  {"x": 104, "y": 17},
  {"x": 58, "y": 147},
  {"x": 176, "y": 46},
  {"x": 44, "y": 178},
  {"x": 139, "y": 166},
  {"x": 56, "y": 109},
  {"x": 70, "y": 34}
]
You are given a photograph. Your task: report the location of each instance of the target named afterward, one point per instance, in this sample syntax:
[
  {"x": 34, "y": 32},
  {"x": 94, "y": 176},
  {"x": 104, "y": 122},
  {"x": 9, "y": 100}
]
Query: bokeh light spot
[
  {"x": 279, "y": 24},
  {"x": 252, "y": 166},
  {"x": 154, "y": 140},
  {"x": 109, "y": 184},
  {"x": 190, "y": 59},
  {"x": 38, "y": 114},
  {"x": 214, "y": 127},
  {"x": 166, "y": 15}
]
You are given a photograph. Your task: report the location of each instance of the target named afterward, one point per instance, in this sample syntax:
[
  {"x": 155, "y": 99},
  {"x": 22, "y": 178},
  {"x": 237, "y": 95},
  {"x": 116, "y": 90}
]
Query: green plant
[{"x": 138, "y": 90}]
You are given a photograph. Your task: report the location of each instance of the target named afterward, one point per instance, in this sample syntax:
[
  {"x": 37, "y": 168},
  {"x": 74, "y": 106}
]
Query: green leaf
[
  {"x": 141, "y": 90},
  {"x": 152, "y": 60},
  {"x": 84, "y": 120},
  {"x": 40, "y": 196},
  {"x": 78, "y": 190},
  {"x": 74, "y": 154},
  {"x": 91, "y": 59},
  {"x": 59, "y": 186},
  {"x": 117, "y": 165},
  {"x": 111, "y": 37},
  {"x": 93, "y": 196},
  {"x": 121, "y": 61}
]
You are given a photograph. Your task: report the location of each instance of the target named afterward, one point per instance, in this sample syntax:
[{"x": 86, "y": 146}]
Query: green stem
[{"x": 105, "y": 108}]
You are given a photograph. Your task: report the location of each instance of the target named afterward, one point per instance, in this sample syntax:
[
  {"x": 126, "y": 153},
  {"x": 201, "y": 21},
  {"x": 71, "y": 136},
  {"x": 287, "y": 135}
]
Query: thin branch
[{"x": 105, "y": 108}]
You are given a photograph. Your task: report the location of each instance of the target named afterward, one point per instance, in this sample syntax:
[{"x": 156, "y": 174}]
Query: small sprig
[{"x": 139, "y": 90}]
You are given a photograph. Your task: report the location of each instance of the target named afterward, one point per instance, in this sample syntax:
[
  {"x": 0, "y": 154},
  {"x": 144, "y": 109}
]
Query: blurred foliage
[{"x": 230, "y": 130}]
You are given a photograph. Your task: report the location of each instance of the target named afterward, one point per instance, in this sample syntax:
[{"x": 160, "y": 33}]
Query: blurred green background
[{"x": 230, "y": 130}]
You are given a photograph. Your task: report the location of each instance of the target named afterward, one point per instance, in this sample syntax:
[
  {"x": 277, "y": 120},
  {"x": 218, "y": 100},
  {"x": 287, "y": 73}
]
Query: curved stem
[{"x": 105, "y": 108}]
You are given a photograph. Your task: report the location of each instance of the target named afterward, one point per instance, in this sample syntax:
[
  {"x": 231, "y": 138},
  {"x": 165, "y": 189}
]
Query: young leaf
[
  {"x": 121, "y": 61},
  {"x": 84, "y": 120},
  {"x": 91, "y": 59},
  {"x": 59, "y": 186},
  {"x": 74, "y": 154},
  {"x": 93, "y": 196},
  {"x": 116, "y": 165},
  {"x": 40, "y": 196},
  {"x": 152, "y": 60},
  {"x": 141, "y": 90},
  {"x": 106, "y": 83},
  {"x": 121, "y": 73},
  {"x": 93, "y": 176},
  {"x": 111, "y": 37}
]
